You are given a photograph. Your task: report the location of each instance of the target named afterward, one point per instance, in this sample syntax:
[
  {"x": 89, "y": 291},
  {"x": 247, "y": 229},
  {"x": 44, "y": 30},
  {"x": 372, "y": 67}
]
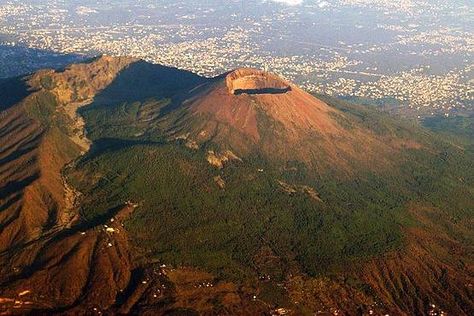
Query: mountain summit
[
  {"x": 253, "y": 81},
  {"x": 128, "y": 187},
  {"x": 254, "y": 112}
]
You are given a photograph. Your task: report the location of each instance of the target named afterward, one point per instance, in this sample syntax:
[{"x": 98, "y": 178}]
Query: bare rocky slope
[{"x": 243, "y": 104}]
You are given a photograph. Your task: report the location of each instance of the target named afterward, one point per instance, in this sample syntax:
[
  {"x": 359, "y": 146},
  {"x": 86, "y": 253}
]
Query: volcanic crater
[{"x": 254, "y": 81}]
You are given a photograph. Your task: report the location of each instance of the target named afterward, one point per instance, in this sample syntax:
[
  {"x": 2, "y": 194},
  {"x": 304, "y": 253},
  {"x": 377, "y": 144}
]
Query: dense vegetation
[
  {"x": 184, "y": 217},
  {"x": 458, "y": 128}
]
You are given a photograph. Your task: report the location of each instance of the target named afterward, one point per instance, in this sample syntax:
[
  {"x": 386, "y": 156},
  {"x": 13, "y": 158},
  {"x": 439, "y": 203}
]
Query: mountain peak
[{"x": 255, "y": 81}]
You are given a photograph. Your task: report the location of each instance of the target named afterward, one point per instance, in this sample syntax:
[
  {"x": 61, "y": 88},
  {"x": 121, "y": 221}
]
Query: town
[{"x": 421, "y": 71}]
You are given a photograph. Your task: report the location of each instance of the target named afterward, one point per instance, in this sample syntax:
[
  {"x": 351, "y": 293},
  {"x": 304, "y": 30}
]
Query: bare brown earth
[
  {"x": 432, "y": 275},
  {"x": 37, "y": 204},
  {"x": 433, "y": 265},
  {"x": 33, "y": 195},
  {"x": 285, "y": 124},
  {"x": 20, "y": 172}
]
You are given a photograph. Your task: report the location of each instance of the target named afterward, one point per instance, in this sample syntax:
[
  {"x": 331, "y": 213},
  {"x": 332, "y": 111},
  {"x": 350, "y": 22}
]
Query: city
[{"x": 417, "y": 59}]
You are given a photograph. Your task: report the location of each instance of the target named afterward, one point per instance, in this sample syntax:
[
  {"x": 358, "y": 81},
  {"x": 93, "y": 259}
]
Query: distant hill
[{"x": 128, "y": 187}]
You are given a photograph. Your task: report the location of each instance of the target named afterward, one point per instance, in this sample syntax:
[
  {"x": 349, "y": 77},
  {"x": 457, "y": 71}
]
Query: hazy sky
[{"x": 289, "y": 2}]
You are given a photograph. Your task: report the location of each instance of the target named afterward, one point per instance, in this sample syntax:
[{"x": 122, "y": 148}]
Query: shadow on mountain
[
  {"x": 103, "y": 145},
  {"x": 262, "y": 91},
  {"x": 18, "y": 61},
  {"x": 142, "y": 81},
  {"x": 16, "y": 186},
  {"x": 12, "y": 91}
]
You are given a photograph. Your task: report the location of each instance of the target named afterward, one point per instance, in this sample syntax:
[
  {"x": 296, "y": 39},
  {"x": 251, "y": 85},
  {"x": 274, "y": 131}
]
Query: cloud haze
[{"x": 288, "y": 2}]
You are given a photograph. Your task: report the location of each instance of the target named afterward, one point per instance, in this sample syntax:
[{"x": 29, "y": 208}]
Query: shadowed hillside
[
  {"x": 20, "y": 60},
  {"x": 12, "y": 91}
]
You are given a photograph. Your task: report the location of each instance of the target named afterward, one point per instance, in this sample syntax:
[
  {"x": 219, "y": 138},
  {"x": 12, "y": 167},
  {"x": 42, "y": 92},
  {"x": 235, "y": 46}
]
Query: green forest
[{"x": 185, "y": 218}]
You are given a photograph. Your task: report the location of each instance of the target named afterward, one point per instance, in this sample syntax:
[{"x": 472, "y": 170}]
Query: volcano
[{"x": 133, "y": 188}]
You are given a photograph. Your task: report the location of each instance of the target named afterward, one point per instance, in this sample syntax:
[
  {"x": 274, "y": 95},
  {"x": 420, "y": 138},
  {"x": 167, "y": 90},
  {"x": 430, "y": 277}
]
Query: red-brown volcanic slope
[
  {"x": 34, "y": 152},
  {"x": 18, "y": 172},
  {"x": 36, "y": 203},
  {"x": 433, "y": 264},
  {"x": 285, "y": 122}
]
